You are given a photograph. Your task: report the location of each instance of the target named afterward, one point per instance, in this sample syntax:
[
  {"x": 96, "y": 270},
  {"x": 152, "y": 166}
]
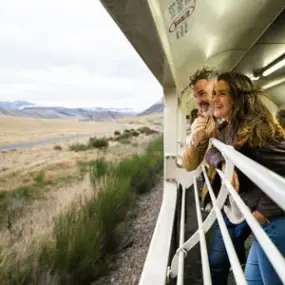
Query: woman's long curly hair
[{"x": 251, "y": 121}]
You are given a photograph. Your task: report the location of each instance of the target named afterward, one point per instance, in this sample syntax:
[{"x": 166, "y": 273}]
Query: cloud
[{"x": 71, "y": 53}]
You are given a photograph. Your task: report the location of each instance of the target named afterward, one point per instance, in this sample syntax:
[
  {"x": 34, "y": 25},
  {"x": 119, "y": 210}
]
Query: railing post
[
  {"x": 156, "y": 263},
  {"x": 181, "y": 128},
  {"x": 170, "y": 121}
]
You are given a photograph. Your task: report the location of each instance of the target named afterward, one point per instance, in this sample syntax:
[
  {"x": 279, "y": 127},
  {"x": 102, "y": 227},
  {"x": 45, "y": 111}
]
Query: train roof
[{"x": 175, "y": 38}]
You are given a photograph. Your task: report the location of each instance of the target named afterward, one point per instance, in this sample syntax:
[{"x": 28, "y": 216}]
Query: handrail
[
  {"x": 269, "y": 182},
  {"x": 277, "y": 260},
  {"x": 180, "y": 277},
  {"x": 264, "y": 178}
]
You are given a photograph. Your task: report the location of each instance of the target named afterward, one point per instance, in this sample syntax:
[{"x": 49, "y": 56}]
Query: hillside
[
  {"x": 15, "y": 104},
  {"x": 155, "y": 108},
  {"x": 27, "y": 109}
]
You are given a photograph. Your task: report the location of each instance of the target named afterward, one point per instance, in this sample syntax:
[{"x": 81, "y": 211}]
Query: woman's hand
[
  {"x": 235, "y": 180},
  {"x": 260, "y": 217}
]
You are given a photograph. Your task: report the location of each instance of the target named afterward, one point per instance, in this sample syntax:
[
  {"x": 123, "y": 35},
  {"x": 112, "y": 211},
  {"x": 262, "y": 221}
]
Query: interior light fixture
[
  {"x": 277, "y": 64},
  {"x": 273, "y": 83},
  {"x": 254, "y": 78}
]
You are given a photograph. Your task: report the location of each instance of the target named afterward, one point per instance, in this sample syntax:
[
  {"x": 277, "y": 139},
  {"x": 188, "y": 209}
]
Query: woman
[
  {"x": 281, "y": 118},
  {"x": 253, "y": 131}
]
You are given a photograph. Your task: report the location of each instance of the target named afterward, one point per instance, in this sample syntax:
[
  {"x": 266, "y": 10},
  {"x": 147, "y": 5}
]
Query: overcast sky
[{"x": 70, "y": 53}]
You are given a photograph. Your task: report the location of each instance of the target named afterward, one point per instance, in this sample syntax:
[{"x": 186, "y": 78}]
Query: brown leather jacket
[
  {"x": 271, "y": 156},
  {"x": 193, "y": 156}
]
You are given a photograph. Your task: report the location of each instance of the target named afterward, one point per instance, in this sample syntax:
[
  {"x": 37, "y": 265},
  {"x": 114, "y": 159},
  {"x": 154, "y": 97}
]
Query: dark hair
[
  {"x": 250, "y": 120},
  {"x": 280, "y": 116},
  {"x": 204, "y": 73},
  {"x": 193, "y": 116}
]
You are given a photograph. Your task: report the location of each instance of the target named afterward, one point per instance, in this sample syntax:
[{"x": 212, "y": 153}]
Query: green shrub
[
  {"x": 57, "y": 147},
  {"x": 135, "y": 133},
  {"x": 40, "y": 178},
  {"x": 78, "y": 147},
  {"x": 98, "y": 143},
  {"x": 143, "y": 170},
  {"x": 92, "y": 143},
  {"x": 147, "y": 131},
  {"x": 123, "y": 137},
  {"x": 77, "y": 254},
  {"x": 85, "y": 238},
  {"x": 116, "y": 133}
]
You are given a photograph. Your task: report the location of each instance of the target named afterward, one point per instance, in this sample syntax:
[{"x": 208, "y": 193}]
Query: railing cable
[
  {"x": 273, "y": 254},
  {"x": 236, "y": 267},
  {"x": 203, "y": 245}
]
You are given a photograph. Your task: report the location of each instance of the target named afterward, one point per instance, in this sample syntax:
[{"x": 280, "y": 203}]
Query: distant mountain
[
  {"x": 15, "y": 104},
  {"x": 27, "y": 109},
  {"x": 121, "y": 110},
  {"x": 155, "y": 108}
]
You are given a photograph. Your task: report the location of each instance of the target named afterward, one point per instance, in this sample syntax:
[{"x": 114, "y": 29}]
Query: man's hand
[
  {"x": 235, "y": 180},
  {"x": 198, "y": 131},
  {"x": 260, "y": 217}
]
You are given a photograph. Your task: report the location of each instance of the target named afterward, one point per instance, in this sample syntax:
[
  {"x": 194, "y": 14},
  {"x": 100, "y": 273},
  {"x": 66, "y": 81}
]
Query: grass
[
  {"x": 13, "y": 202},
  {"x": 40, "y": 178},
  {"x": 84, "y": 239}
]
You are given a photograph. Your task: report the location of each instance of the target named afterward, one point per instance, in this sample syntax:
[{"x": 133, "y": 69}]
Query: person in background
[
  {"x": 194, "y": 115},
  {"x": 190, "y": 119},
  {"x": 203, "y": 128},
  {"x": 253, "y": 130}
]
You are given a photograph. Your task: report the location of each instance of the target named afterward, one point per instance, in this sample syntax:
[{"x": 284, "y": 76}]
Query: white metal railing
[{"x": 269, "y": 182}]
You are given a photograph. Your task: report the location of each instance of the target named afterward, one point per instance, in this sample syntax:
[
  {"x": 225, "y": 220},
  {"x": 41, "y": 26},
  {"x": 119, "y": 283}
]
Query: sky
[{"x": 70, "y": 53}]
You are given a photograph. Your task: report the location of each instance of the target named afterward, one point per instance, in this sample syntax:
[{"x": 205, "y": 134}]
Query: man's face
[{"x": 203, "y": 92}]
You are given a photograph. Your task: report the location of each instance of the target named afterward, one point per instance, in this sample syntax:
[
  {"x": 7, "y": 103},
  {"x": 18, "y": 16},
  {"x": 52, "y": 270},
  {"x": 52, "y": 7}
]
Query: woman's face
[{"x": 222, "y": 100}]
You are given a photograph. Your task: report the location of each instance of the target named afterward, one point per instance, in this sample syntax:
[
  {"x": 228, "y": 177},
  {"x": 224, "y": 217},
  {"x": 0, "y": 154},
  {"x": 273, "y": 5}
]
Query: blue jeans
[
  {"x": 218, "y": 258},
  {"x": 258, "y": 268}
]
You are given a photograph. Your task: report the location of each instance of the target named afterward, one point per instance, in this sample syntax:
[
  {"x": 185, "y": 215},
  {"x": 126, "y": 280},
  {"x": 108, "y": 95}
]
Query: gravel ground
[{"x": 129, "y": 263}]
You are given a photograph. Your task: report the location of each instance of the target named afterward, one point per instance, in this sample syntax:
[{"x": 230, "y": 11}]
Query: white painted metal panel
[
  {"x": 220, "y": 33},
  {"x": 156, "y": 263}
]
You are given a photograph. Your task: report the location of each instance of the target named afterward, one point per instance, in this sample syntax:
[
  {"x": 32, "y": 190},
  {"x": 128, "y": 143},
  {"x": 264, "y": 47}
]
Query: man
[{"x": 203, "y": 128}]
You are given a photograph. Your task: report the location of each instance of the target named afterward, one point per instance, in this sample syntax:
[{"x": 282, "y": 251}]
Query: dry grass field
[
  {"x": 17, "y": 129},
  {"x": 38, "y": 184},
  {"x": 18, "y": 167}
]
